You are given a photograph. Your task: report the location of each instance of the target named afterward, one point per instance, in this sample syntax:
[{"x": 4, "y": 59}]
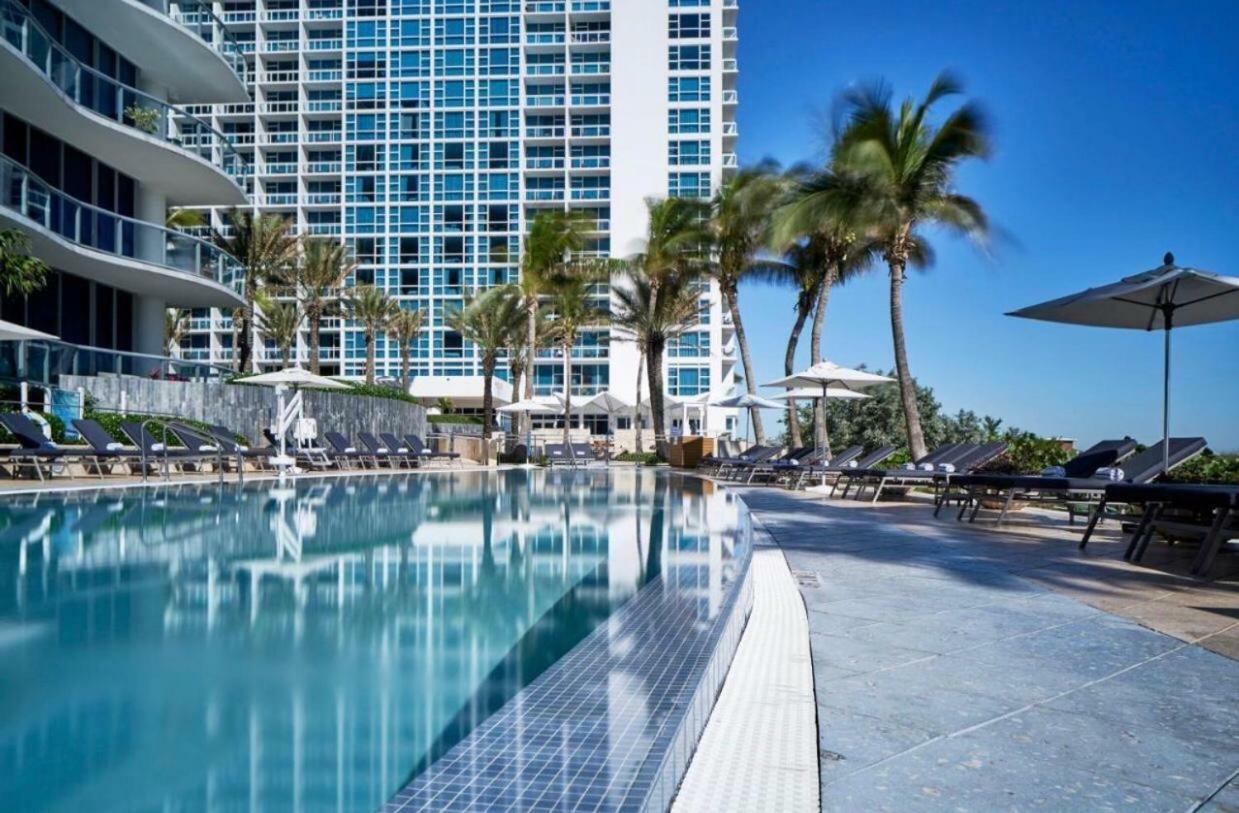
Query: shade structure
[
  {"x": 12, "y": 332},
  {"x": 827, "y": 374},
  {"x": 746, "y": 401},
  {"x": 1162, "y": 298},
  {"x": 531, "y": 406},
  {"x": 295, "y": 377},
  {"x": 812, "y": 394},
  {"x": 608, "y": 402}
]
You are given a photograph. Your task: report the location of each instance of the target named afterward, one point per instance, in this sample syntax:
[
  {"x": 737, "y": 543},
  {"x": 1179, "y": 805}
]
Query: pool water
[{"x": 311, "y": 647}]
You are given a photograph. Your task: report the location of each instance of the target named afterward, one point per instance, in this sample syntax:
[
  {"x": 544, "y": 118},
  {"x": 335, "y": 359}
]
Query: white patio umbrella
[
  {"x": 529, "y": 406},
  {"x": 1163, "y": 298},
  {"x": 295, "y": 378},
  {"x": 13, "y": 332},
  {"x": 747, "y": 402},
  {"x": 810, "y": 394},
  {"x": 826, "y": 376}
]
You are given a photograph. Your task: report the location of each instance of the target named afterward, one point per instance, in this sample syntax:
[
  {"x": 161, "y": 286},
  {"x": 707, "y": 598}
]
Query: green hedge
[
  {"x": 644, "y": 458},
  {"x": 1207, "y": 468},
  {"x": 58, "y": 430},
  {"x": 464, "y": 420},
  {"x": 111, "y": 421}
]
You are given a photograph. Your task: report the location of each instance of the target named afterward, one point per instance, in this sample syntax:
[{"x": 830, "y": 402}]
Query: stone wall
[{"x": 247, "y": 409}]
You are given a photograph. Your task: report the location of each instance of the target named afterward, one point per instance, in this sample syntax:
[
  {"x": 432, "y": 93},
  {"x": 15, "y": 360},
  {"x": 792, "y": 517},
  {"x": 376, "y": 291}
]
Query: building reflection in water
[{"x": 312, "y": 647}]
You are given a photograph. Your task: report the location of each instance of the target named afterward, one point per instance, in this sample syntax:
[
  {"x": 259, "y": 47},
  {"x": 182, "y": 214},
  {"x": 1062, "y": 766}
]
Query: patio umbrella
[
  {"x": 1163, "y": 298},
  {"x": 826, "y": 375},
  {"x": 295, "y": 378},
  {"x": 531, "y": 406},
  {"x": 747, "y": 402},
  {"x": 811, "y": 394}
]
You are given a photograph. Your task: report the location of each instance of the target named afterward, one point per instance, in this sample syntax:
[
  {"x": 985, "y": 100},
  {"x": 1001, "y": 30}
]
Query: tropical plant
[
  {"x": 574, "y": 308},
  {"x": 324, "y": 267},
  {"x": 20, "y": 273},
  {"x": 741, "y": 231},
  {"x": 674, "y": 252},
  {"x": 267, "y": 251},
  {"x": 554, "y": 238},
  {"x": 182, "y": 219},
  {"x": 145, "y": 119},
  {"x": 175, "y": 326},
  {"x": 904, "y": 168},
  {"x": 404, "y": 328},
  {"x": 374, "y": 310},
  {"x": 653, "y": 317},
  {"x": 279, "y": 323},
  {"x": 491, "y": 322}
]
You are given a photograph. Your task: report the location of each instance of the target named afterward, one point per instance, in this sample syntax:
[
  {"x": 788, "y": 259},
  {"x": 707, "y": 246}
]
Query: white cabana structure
[
  {"x": 465, "y": 392},
  {"x": 1163, "y": 298}
]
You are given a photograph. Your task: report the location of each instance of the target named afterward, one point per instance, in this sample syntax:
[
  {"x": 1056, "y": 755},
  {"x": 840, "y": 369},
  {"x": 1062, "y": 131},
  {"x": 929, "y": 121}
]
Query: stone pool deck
[{"x": 968, "y": 668}]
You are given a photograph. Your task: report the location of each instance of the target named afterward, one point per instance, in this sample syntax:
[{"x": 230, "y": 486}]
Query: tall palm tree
[
  {"x": 904, "y": 167},
  {"x": 740, "y": 229},
  {"x": 491, "y": 322},
  {"x": 279, "y": 323},
  {"x": 325, "y": 265},
  {"x": 674, "y": 251},
  {"x": 553, "y": 238},
  {"x": 267, "y": 251},
  {"x": 404, "y": 328},
  {"x": 806, "y": 275},
  {"x": 574, "y": 308},
  {"x": 374, "y": 310},
  {"x": 653, "y": 316}
]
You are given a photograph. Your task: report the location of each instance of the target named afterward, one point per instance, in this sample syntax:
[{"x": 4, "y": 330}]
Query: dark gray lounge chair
[
  {"x": 104, "y": 450},
  {"x": 794, "y": 477},
  {"x": 341, "y": 452},
  {"x": 1207, "y": 512},
  {"x": 161, "y": 455},
  {"x": 409, "y": 457},
  {"x": 417, "y": 447},
  {"x": 876, "y": 477},
  {"x": 34, "y": 449},
  {"x": 961, "y": 461}
]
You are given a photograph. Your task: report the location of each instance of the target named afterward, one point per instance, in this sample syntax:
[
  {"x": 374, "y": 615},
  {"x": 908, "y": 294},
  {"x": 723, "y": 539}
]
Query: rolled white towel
[
  {"x": 241, "y": 448},
  {"x": 852, "y": 464},
  {"x": 1113, "y": 474},
  {"x": 157, "y": 447},
  {"x": 208, "y": 448},
  {"x": 1053, "y": 471},
  {"x": 909, "y": 467},
  {"x": 403, "y": 450},
  {"x": 946, "y": 468},
  {"x": 114, "y": 447},
  {"x": 350, "y": 449},
  {"x": 382, "y": 450},
  {"x": 926, "y": 467}
]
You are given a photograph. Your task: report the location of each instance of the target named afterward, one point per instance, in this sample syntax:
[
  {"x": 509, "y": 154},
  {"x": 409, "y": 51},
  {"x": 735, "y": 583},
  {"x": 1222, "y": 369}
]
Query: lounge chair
[
  {"x": 748, "y": 470},
  {"x": 961, "y": 462},
  {"x": 712, "y": 462},
  {"x": 758, "y": 454},
  {"x": 160, "y": 455},
  {"x": 104, "y": 450},
  {"x": 836, "y": 464},
  {"x": 1142, "y": 468},
  {"x": 383, "y": 453},
  {"x": 1100, "y": 455},
  {"x": 558, "y": 455},
  {"x": 417, "y": 447},
  {"x": 408, "y": 456},
  {"x": 341, "y": 451},
  {"x": 227, "y": 440},
  {"x": 34, "y": 450},
  {"x": 860, "y": 478},
  {"x": 1207, "y": 512}
]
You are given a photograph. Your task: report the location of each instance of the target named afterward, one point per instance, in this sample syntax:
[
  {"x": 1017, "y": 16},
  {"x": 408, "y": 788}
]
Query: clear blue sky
[{"x": 1117, "y": 133}]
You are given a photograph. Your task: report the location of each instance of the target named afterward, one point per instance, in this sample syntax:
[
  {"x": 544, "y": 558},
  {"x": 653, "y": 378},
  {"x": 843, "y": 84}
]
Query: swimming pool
[{"x": 316, "y": 646}]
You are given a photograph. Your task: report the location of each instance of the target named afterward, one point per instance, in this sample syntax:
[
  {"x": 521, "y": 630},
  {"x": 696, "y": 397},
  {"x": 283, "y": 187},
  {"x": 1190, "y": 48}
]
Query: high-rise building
[
  {"x": 96, "y": 147},
  {"x": 427, "y": 134}
]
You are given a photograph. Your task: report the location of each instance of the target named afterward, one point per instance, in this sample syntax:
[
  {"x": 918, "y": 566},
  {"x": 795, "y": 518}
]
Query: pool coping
[{"x": 467, "y": 775}]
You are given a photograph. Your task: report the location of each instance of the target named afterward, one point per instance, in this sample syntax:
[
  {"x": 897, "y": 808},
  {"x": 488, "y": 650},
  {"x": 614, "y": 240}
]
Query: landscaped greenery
[
  {"x": 1207, "y": 468},
  {"x": 644, "y": 458}
]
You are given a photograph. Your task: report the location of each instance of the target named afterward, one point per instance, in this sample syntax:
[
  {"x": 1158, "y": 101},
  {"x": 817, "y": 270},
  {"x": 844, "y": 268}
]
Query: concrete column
[
  {"x": 148, "y": 326},
  {"x": 152, "y": 207}
]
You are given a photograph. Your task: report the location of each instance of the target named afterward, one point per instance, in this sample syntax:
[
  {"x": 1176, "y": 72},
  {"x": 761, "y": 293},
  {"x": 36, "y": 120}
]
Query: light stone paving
[{"x": 759, "y": 750}]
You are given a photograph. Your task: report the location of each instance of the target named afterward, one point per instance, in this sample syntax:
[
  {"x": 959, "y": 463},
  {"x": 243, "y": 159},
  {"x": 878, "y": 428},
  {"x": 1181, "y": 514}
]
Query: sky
[{"x": 1116, "y": 127}]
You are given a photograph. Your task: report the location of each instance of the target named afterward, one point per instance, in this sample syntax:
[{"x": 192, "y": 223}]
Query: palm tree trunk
[
  {"x": 406, "y": 361},
  {"x": 531, "y": 348},
  {"x": 654, "y": 375},
  {"x": 488, "y": 407},
  {"x": 369, "y": 356},
  {"x": 789, "y": 362},
  {"x": 286, "y": 356},
  {"x": 567, "y": 351},
  {"x": 821, "y": 431},
  {"x": 636, "y": 416},
  {"x": 315, "y": 338},
  {"x": 733, "y": 305},
  {"x": 907, "y": 387}
]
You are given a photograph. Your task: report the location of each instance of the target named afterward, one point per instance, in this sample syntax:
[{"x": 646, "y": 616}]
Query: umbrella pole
[{"x": 1166, "y": 402}]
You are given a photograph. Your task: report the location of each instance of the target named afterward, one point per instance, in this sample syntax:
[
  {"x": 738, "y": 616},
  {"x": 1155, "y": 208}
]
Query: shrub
[
  {"x": 467, "y": 420},
  {"x": 1207, "y": 468},
  {"x": 644, "y": 458},
  {"x": 1028, "y": 454},
  {"x": 111, "y": 421}
]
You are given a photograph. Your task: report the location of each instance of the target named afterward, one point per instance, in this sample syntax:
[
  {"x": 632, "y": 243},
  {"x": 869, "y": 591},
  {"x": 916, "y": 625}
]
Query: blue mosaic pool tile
[{"x": 611, "y": 726}]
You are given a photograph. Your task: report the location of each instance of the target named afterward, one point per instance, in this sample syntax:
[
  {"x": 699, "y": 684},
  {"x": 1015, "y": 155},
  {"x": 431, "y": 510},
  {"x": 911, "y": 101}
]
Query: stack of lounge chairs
[{"x": 935, "y": 470}]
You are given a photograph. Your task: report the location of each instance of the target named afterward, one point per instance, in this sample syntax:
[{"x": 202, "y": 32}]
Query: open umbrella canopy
[
  {"x": 828, "y": 374},
  {"x": 608, "y": 402},
  {"x": 532, "y": 406},
  {"x": 812, "y": 394},
  {"x": 1163, "y": 298},
  {"x": 746, "y": 401},
  {"x": 1166, "y": 297},
  {"x": 294, "y": 377},
  {"x": 11, "y": 332}
]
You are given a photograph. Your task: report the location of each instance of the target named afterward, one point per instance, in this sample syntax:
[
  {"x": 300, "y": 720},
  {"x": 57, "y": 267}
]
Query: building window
[
  {"x": 690, "y": 26},
  {"x": 686, "y": 382},
  {"x": 689, "y": 58}
]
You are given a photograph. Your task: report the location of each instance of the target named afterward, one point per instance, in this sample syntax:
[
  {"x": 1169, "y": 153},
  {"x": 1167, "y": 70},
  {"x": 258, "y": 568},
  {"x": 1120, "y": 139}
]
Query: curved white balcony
[
  {"x": 162, "y": 146},
  {"x": 119, "y": 251},
  {"x": 180, "y": 44}
]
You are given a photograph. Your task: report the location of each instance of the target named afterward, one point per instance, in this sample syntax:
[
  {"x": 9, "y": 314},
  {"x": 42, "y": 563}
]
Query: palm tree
[
  {"x": 574, "y": 308},
  {"x": 182, "y": 219},
  {"x": 653, "y": 316},
  {"x": 374, "y": 310},
  {"x": 553, "y": 238},
  {"x": 674, "y": 252},
  {"x": 904, "y": 168},
  {"x": 267, "y": 251},
  {"x": 279, "y": 323},
  {"x": 806, "y": 274},
  {"x": 21, "y": 273},
  {"x": 325, "y": 265},
  {"x": 175, "y": 326},
  {"x": 404, "y": 327},
  {"x": 740, "y": 229},
  {"x": 491, "y": 322}
]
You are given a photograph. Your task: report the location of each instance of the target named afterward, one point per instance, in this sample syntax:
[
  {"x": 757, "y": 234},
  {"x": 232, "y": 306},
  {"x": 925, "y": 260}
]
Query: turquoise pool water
[{"x": 316, "y": 646}]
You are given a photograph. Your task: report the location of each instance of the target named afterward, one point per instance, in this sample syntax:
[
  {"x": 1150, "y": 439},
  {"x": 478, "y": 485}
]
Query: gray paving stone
[
  {"x": 850, "y": 742},
  {"x": 861, "y": 656},
  {"x": 1226, "y": 800}
]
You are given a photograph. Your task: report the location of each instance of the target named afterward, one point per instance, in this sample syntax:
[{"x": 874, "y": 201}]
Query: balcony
[
  {"x": 119, "y": 251},
  {"x": 162, "y": 146},
  {"x": 44, "y": 361},
  {"x": 180, "y": 44}
]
